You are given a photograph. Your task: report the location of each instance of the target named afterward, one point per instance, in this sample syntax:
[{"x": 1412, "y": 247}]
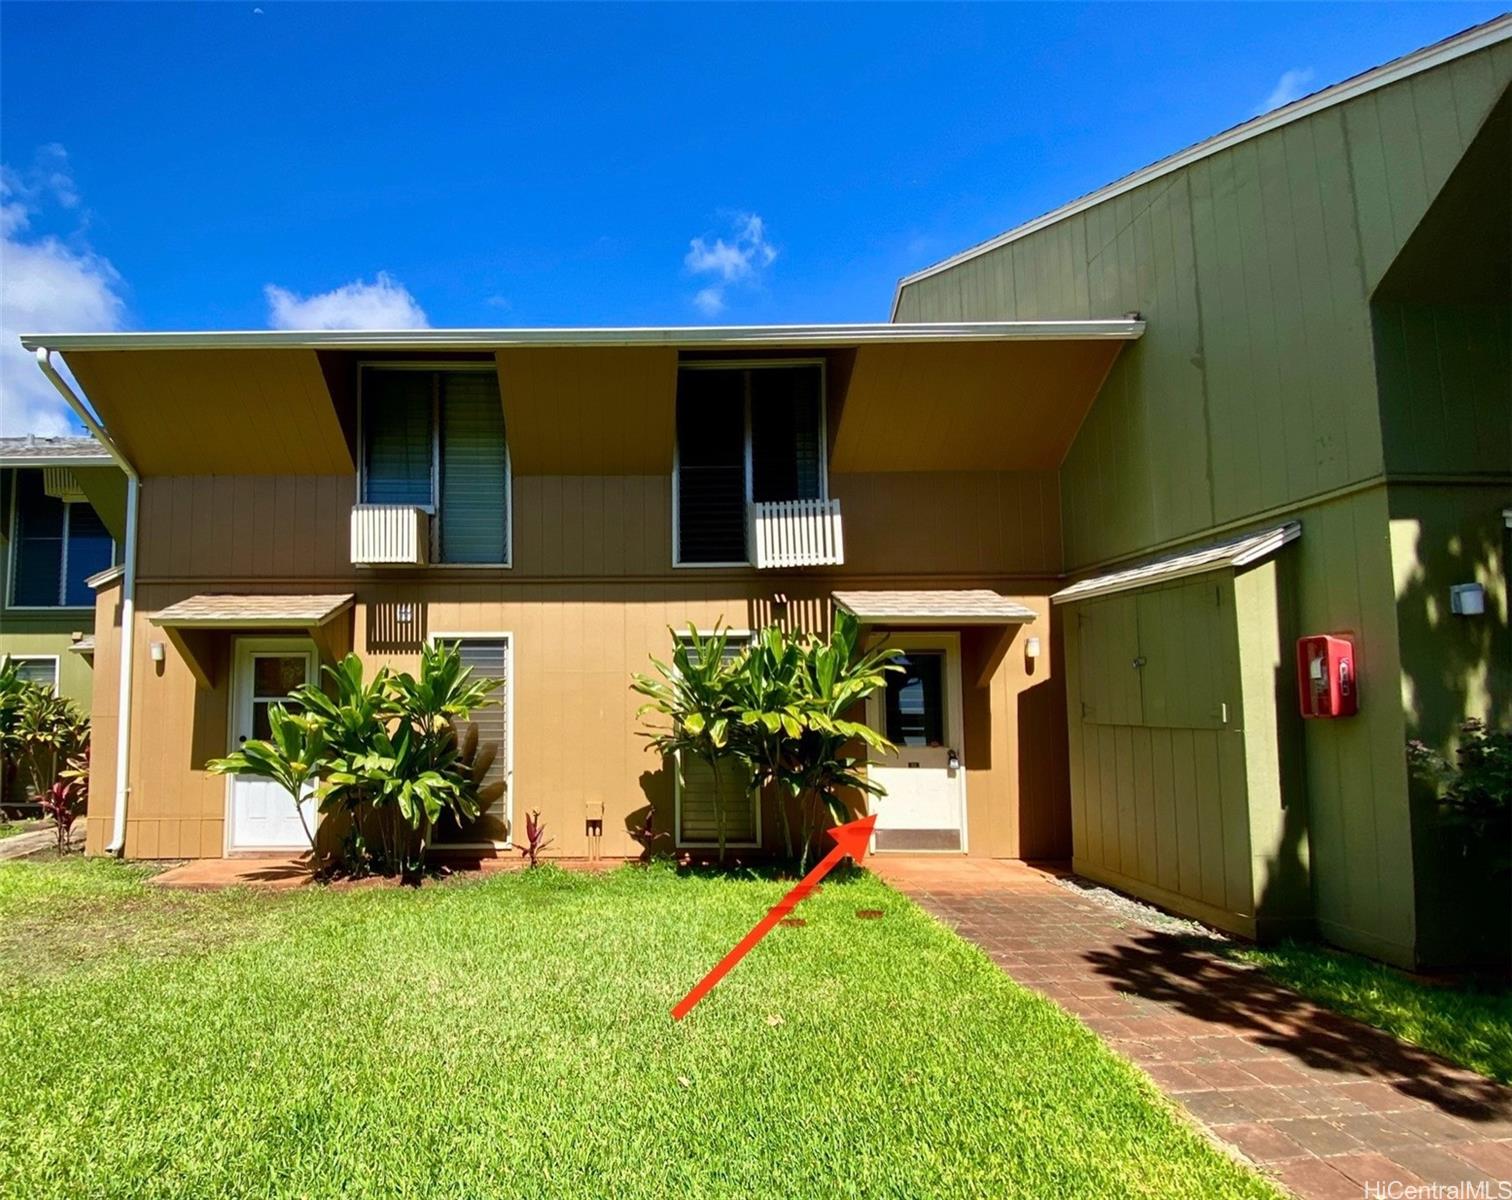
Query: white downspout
[{"x": 128, "y": 597}]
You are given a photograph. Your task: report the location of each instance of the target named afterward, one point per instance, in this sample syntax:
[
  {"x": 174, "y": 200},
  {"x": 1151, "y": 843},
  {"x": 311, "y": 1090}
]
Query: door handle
[
  {"x": 242, "y": 740},
  {"x": 952, "y": 761}
]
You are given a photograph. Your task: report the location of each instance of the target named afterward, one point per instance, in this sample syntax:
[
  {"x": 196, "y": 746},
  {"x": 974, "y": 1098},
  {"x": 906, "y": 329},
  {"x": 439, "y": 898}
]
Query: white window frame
[
  {"x": 10, "y": 566},
  {"x": 743, "y": 636},
  {"x": 55, "y": 659},
  {"x": 433, "y": 509},
  {"x": 508, "y": 639},
  {"x": 746, "y": 365}
]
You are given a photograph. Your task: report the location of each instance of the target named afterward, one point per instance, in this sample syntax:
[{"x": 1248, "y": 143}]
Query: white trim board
[
  {"x": 691, "y": 337},
  {"x": 1491, "y": 33}
]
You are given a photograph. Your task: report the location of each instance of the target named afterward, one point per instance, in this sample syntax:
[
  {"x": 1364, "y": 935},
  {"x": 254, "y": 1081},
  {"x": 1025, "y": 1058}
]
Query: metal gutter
[
  {"x": 128, "y": 594},
  {"x": 689, "y": 337},
  {"x": 1480, "y": 37}
]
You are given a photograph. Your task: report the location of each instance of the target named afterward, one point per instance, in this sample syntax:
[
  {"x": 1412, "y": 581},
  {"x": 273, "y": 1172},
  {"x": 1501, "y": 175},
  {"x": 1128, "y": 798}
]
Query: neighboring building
[
  {"x": 62, "y": 512},
  {"x": 1327, "y": 362},
  {"x": 1260, "y": 389}
]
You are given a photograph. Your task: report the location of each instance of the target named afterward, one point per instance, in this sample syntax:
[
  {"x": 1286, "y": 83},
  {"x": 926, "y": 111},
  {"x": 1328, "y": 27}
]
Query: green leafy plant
[
  {"x": 43, "y": 734},
  {"x": 783, "y": 707},
  {"x": 1475, "y": 790},
  {"x": 293, "y": 757},
  {"x": 694, "y": 696},
  {"x": 385, "y": 751}
]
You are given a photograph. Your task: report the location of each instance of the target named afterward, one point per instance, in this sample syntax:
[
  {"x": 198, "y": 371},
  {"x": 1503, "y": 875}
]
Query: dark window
[
  {"x": 915, "y": 700},
  {"x": 743, "y": 434},
  {"x": 711, "y": 486},
  {"x": 436, "y": 439},
  {"x": 58, "y": 544}
]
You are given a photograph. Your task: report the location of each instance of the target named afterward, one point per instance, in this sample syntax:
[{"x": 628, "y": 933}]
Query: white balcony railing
[
  {"x": 389, "y": 534},
  {"x": 796, "y": 533}
]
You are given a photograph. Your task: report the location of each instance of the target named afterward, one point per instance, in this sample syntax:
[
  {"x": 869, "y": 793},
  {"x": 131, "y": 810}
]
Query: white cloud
[
  {"x": 46, "y": 285},
  {"x": 1292, "y": 85},
  {"x": 383, "y": 304},
  {"x": 741, "y": 261}
]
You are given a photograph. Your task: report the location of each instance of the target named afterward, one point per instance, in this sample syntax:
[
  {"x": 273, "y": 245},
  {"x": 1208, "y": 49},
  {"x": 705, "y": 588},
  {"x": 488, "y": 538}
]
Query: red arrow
[{"x": 850, "y": 839}]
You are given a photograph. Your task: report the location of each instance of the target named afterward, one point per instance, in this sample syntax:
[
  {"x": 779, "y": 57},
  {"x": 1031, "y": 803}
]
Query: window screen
[
  {"x": 711, "y": 486},
  {"x": 786, "y": 443},
  {"x": 58, "y": 545},
  {"x": 398, "y": 410},
  {"x": 37, "y": 670},
  {"x": 474, "y": 474}
]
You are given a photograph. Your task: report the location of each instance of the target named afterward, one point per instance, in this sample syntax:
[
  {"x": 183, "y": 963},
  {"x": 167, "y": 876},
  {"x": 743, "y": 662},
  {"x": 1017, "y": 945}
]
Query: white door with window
[
  {"x": 920, "y": 713},
  {"x": 261, "y": 815}
]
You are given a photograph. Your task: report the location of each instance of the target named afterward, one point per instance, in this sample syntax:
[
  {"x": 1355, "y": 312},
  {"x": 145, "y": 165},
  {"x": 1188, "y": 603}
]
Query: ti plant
[
  {"x": 292, "y": 757},
  {"x": 535, "y": 838},
  {"x": 47, "y": 738},
  {"x": 782, "y": 707}
]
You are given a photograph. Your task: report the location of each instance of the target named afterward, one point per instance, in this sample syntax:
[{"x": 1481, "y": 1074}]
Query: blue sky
[{"x": 236, "y": 165}]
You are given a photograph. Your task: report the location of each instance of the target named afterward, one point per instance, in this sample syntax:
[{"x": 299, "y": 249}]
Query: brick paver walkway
[{"x": 1320, "y": 1102}]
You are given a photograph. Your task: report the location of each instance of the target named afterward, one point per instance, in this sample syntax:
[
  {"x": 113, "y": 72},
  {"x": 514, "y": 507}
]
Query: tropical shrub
[
  {"x": 1475, "y": 790},
  {"x": 46, "y": 737},
  {"x": 385, "y": 752},
  {"x": 780, "y": 708}
]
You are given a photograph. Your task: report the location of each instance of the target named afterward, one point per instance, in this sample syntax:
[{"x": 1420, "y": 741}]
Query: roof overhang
[
  {"x": 84, "y": 646},
  {"x": 217, "y": 611},
  {"x": 1236, "y": 552},
  {"x": 196, "y": 626},
  {"x": 60, "y": 460},
  {"x": 939, "y": 608},
  {"x": 691, "y": 337}
]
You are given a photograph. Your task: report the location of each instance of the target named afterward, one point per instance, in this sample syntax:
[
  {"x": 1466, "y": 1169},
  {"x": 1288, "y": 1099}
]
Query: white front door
[
  {"x": 261, "y": 814},
  {"x": 920, "y": 713}
]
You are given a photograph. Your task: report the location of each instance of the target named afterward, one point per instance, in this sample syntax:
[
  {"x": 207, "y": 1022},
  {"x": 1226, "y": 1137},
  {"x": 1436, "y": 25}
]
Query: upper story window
[
  {"x": 434, "y": 438},
  {"x": 55, "y": 546},
  {"x": 746, "y": 433}
]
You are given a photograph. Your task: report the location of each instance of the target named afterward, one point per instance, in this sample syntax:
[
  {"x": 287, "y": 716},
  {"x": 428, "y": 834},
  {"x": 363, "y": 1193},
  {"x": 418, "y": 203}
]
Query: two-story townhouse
[
  {"x": 1329, "y": 359},
  {"x": 555, "y": 500}
]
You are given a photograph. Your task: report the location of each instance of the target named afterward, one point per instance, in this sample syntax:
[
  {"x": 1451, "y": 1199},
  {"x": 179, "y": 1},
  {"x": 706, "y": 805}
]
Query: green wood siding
[{"x": 1254, "y": 386}]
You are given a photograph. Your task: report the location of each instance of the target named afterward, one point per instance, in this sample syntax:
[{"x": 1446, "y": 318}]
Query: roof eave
[{"x": 677, "y": 337}]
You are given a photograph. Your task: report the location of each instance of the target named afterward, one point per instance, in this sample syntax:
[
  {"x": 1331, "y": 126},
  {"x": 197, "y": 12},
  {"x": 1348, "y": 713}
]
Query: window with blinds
[
  {"x": 56, "y": 545},
  {"x": 485, "y": 740},
  {"x": 436, "y": 440},
  {"x": 744, "y": 434}
]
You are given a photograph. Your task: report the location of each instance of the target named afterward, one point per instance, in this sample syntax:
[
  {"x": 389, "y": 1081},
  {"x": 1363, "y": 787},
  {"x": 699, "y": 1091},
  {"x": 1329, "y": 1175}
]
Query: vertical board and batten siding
[
  {"x": 939, "y": 523},
  {"x": 1160, "y": 802},
  {"x": 1254, "y": 385}
]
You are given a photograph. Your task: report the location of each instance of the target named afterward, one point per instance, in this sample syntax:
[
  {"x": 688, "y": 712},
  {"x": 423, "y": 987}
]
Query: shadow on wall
[
  {"x": 1455, "y": 667},
  {"x": 396, "y": 626}
]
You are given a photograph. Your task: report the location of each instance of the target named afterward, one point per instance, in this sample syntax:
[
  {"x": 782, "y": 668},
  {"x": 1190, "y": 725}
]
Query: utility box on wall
[{"x": 1326, "y": 681}]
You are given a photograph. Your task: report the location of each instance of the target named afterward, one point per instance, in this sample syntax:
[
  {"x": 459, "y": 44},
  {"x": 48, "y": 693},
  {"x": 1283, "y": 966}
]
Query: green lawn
[
  {"x": 1468, "y": 1024},
  {"x": 511, "y": 1038}
]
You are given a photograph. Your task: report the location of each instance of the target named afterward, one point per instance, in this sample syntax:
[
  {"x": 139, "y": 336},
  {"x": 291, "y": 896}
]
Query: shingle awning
[
  {"x": 1235, "y": 552},
  {"x": 196, "y": 624},
  {"x": 951, "y": 607},
  {"x": 266, "y": 612}
]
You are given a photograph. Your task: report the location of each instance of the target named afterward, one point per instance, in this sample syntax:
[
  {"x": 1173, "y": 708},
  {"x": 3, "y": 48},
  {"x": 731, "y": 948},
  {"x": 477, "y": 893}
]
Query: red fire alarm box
[{"x": 1326, "y": 683}]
